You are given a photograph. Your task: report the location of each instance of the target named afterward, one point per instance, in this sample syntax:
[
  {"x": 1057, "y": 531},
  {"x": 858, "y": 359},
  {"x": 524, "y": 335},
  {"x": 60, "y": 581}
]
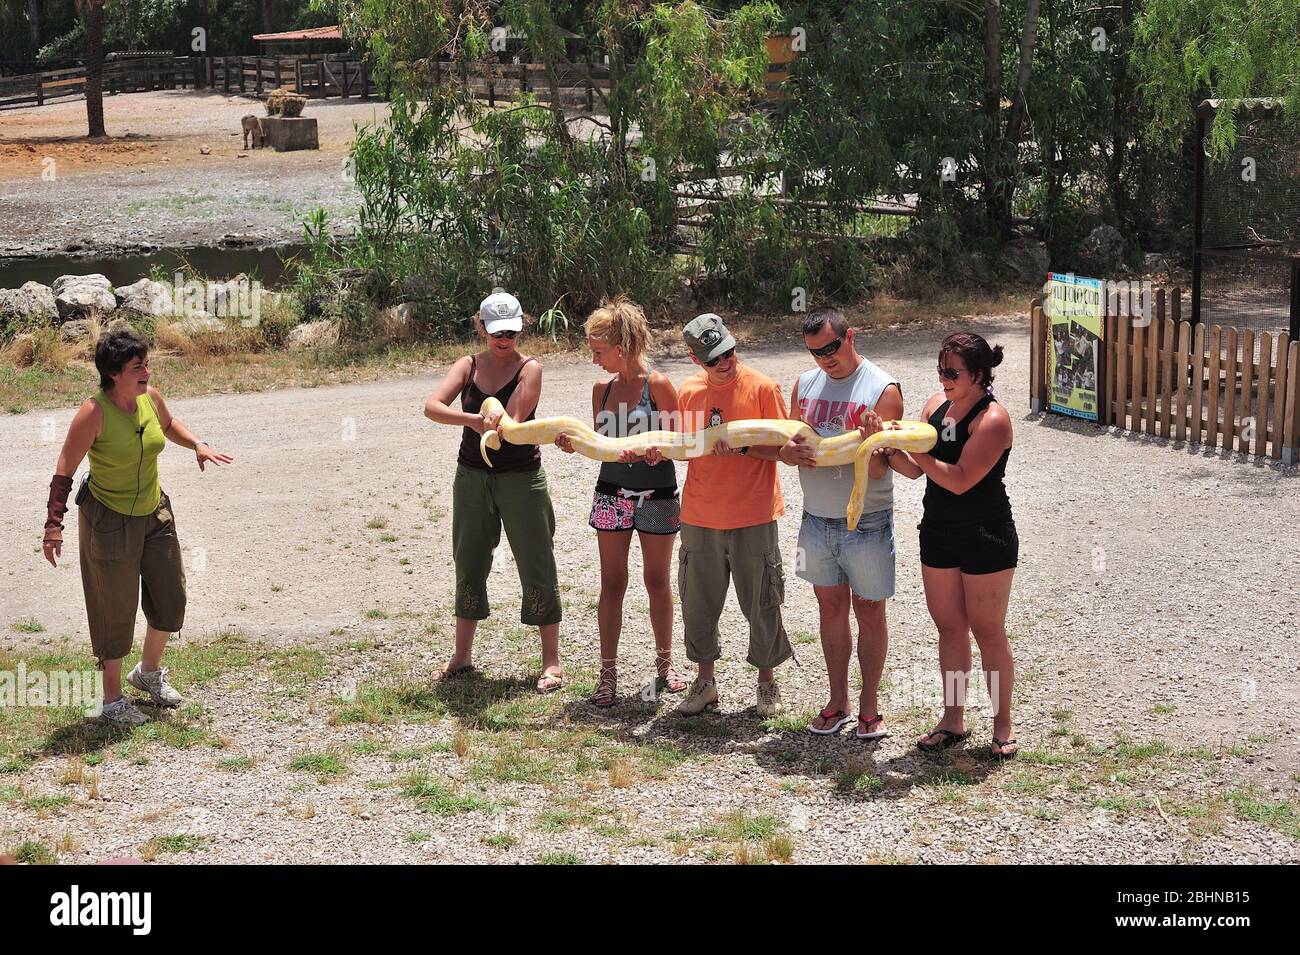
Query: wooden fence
[
  {"x": 1199, "y": 384},
  {"x": 125, "y": 75},
  {"x": 314, "y": 76}
]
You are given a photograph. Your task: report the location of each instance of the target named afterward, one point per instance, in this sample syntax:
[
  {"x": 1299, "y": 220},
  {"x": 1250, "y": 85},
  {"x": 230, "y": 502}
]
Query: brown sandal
[
  {"x": 668, "y": 679},
  {"x": 606, "y": 688}
]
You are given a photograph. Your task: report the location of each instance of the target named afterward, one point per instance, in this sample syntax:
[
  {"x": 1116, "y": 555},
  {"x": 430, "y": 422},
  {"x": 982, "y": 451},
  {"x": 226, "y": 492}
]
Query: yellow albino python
[{"x": 682, "y": 445}]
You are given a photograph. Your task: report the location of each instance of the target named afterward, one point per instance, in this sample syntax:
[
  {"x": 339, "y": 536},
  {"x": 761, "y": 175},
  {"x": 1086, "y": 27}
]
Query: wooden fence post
[
  {"x": 1265, "y": 380},
  {"x": 1291, "y": 434},
  {"x": 1035, "y": 357},
  {"x": 225, "y": 74},
  {"x": 365, "y": 80}
]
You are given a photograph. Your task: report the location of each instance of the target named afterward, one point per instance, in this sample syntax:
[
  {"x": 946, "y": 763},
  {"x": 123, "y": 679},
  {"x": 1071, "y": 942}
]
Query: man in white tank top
[{"x": 848, "y": 567}]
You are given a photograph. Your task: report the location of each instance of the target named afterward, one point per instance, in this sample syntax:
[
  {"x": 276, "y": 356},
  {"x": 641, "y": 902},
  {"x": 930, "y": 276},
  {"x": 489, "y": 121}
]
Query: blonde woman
[{"x": 635, "y": 493}]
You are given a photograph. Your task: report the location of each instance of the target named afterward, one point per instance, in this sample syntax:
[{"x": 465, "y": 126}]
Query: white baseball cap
[{"x": 501, "y": 312}]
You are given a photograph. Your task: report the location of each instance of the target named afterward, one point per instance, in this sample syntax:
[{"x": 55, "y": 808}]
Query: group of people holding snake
[{"x": 726, "y": 512}]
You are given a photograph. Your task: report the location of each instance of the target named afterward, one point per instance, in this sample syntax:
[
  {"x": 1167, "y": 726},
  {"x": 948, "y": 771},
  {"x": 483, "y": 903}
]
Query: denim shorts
[{"x": 864, "y": 558}]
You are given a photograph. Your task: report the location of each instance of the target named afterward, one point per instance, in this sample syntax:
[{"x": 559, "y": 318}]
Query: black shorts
[{"x": 983, "y": 548}]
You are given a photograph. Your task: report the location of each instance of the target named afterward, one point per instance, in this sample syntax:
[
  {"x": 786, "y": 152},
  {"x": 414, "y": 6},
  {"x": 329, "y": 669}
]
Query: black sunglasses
[
  {"x": 712, "y": 362},
  {"x": 510, "y": 334},
  {"x": 951, "y": 374},
  {"x": 827, "y": 350}
]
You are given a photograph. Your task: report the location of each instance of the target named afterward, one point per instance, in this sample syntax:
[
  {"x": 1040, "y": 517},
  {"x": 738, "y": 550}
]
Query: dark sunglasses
[
  {"x": 951, "y": 374},
  {"x": 712, "y": 362},
  {"x": 509, "y": 334},
  {"x": 827, "y": 350}
]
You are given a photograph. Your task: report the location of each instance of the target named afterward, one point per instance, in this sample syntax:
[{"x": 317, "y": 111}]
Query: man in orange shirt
[{"x": 730, "y": 504}]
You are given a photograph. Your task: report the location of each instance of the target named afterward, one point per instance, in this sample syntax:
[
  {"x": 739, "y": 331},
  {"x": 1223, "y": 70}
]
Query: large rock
[
  {"x": 1102, "y": 252},
  {"x": 396, "y": 324},
  {"x": 145, "y": 297},
  {"x": 76, "y": 296},
  {"x": 1025, "y": 260},
  {"x": 75, "y": 331},
  {"x": 32, "y": 304},
  {"x": 309, "y": 335},
  {"x": 285, "y": 134}
]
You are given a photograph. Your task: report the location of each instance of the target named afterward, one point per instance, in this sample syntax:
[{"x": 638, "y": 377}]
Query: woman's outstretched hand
[
  {"x": 204, "y": 453},
  {"x": 564, "y": 443}
]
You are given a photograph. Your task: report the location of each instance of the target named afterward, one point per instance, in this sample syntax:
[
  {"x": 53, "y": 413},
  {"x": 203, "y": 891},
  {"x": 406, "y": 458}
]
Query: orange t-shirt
[{"x": 731, "y": 491}]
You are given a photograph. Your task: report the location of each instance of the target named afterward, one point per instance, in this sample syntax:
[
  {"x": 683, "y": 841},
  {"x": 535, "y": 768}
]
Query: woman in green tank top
[{"x": 127, "y": 535}]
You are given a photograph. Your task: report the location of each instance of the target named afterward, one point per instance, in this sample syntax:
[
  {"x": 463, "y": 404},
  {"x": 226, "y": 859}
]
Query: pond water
[{"x": 271, "y": 265}]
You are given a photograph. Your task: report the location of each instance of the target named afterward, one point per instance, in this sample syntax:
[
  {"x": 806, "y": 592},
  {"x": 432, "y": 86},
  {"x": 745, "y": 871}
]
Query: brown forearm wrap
[{"x": 60, "y": 488}]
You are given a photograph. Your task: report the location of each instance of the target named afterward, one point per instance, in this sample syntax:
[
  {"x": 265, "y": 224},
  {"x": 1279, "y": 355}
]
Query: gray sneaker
[
  {"x": 703, "y": 695},
  {"x": 769, "y": 700},
  {"x": 122, "y": 714},
  {"x": 156, "y": 685}
]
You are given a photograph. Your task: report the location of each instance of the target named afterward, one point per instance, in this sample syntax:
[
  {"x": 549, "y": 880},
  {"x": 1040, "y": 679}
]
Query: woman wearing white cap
[{"x": 512, "y": 492}]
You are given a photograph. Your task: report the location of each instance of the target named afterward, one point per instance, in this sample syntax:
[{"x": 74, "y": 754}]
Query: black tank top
[
  {"x": 987, "y": 500},
  {"x": 511, "y": 457}
]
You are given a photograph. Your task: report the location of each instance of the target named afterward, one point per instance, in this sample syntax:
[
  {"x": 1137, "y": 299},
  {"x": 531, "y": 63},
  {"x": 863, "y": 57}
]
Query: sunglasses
[
  {"x": 951, "y": 374},
  {"x": 827, "y": 350},
  {"x": 499, "y": 335},
  {"x": 711, "y": 363}
]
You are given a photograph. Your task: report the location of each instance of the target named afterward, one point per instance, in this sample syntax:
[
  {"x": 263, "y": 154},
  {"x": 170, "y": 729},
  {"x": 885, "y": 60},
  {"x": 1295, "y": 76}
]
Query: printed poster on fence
[{"x": 1074, "y": 310}]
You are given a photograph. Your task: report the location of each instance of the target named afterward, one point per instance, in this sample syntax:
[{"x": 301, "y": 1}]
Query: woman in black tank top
[
  {"x": 512, "y": 493},
  {"x": 969, "y": 546}
]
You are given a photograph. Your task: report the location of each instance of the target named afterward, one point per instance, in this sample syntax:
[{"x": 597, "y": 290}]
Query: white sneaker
[
  {"x": 120, "y": 713},
  {"x": 156, "y": 685},
  {"x": 769, "y": 700},
  {"x": 703, "y": 695}
]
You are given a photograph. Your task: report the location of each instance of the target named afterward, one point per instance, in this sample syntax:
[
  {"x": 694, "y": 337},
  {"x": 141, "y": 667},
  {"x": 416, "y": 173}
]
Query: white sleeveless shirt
[{"x": 833, "y": 406}]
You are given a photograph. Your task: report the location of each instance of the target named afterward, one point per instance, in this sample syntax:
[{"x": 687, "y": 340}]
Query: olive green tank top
[{"x": 124, "y": 458}]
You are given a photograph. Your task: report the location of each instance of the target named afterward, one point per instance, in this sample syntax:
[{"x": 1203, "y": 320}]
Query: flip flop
[
  {"x": 1002, "y": 744},
  {"x": 549, "y": 682},
  {"x": 839, "y": 716},
  {"x": 876, "y": 734},
  {"x": 949, "y": 739},
  {"x": 451, "y": 674}
]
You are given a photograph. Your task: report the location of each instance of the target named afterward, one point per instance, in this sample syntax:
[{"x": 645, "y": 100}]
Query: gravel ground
[
  {"x": 150, "y": 186},
  {"x": 1153, "y": 625}
]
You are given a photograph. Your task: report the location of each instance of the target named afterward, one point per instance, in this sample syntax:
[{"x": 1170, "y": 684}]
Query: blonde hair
[{"x": 620, "y": 322}]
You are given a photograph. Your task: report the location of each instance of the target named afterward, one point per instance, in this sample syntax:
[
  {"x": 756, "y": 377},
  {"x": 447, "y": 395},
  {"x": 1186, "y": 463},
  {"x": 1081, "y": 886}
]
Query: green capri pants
[{"x": 483, "y": 501}]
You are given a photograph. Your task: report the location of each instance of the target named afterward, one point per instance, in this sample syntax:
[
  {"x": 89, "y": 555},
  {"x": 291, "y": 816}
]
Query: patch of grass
[
  {"x": 1041, "y": 757},
  {"x": 176, "y": 843},
  {"x": 236, "y": 764},
  {"x": 1164, "y": 709},
  {"x": 29, "y": 625},
  {"x": 513, "y": 764},
  {"x": 740, "y": 826},
  {"x": 1121, "y": 804},
  {"x": 32, "y": 852},
  {"x": 46, "y": 802},
  {"x": 417, "y": 837},
  {"x": 1029, "y": 784},
  {"x": 803, "y": 636},
  {"x": 790, "y": 721},
  {"x": 402, "y": 701},
  {"x": 1062, "y": 716},
  {"x": 324, "y": 764},
  {"x": 434, "y": 797},
  {"x": 559, "y": 858},
  {"x": 1280, "y": 814},
  {"x": 500, "y": 840},
  {"x": 377, "y": 523},
  {"x": 377, "y": 613},
  {"x": 1141, "y": 752},
  {"x": 778, "y": 848}
]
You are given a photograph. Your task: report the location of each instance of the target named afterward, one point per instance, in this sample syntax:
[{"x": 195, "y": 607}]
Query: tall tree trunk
[
  {"x": 991, "y": 167},
  {"x": 268, "y": 15},
  {"x": 95, "y": 67},
  {"x": 34, "y": 20}
]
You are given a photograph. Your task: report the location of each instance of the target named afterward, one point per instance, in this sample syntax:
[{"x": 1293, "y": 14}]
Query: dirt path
[
  {"x": 151, "y": 184},
  {"x": 1153, "y": 607}
]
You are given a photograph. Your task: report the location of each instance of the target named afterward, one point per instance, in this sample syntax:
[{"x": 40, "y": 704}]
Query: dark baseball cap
[{"x": 707, "y": 337}]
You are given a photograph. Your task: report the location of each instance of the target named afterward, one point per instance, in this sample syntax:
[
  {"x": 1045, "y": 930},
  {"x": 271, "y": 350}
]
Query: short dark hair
[
  {"x": 974, "y": 351},
  {"x": 820, "y": 316},
  {"x": 115, "y": 351}
]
